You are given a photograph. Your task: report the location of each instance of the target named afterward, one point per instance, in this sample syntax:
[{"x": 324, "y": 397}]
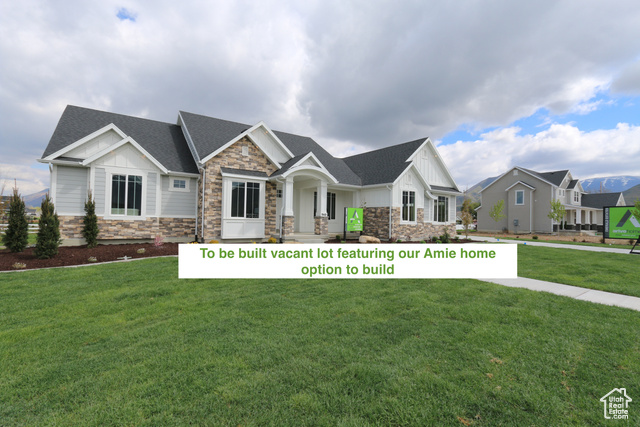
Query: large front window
[
  {"x": 441, "y": 209},
  {"x": 408, "y": 205},
  {"x": 126, "y": 195},
  {"x": 245, "y": 199}
]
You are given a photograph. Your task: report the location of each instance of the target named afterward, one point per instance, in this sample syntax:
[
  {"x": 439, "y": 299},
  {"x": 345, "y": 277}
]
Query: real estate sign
[
  {"x": 355, "y": 219},
  {"x": 619, "y": 223}
]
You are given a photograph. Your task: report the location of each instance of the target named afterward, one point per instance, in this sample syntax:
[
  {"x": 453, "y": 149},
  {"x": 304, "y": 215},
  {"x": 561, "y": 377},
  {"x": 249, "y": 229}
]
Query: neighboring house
[
  {"x": 527, "y": 195},
  {"x": 147, "y": 179}
]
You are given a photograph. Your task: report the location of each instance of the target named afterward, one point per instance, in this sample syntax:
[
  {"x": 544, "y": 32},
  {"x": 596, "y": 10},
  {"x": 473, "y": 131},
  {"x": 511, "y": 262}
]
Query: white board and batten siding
[
  {"x": 71, "y": 185},
  {"x": 408, "y": 182},
  {"x": 95, "y": 145},
  {"x": 269, "y": 145}
]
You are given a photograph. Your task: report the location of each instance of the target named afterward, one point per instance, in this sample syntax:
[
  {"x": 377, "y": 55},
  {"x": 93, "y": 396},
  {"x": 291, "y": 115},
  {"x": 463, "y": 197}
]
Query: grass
[
  {"x": 603, "y": 271},
  {"x": 130, "y": 344}
]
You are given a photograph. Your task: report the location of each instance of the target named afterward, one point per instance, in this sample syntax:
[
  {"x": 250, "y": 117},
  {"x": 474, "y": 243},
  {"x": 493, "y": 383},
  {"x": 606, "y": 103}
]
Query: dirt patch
[{"x": 78, "y": 255}]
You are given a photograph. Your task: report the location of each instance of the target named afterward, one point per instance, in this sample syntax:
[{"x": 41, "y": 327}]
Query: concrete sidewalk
[
  {"x": 552, "y": 245},
  {"x": 599, "y": 297}
]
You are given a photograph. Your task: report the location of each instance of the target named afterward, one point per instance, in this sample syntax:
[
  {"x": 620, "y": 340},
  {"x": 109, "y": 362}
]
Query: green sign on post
[
  {"x": 619, "y": 223},
  {"x": 354, "y": 219}
]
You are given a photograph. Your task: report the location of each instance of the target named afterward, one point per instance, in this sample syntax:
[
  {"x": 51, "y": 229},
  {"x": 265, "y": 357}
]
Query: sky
[{"x": 545, "y": 85}]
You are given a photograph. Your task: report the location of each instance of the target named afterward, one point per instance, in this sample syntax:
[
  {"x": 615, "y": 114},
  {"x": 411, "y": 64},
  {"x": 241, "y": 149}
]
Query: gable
[
  {"x": 269, "y": 144},
  {"x": 126, "y": 156},
  {"x": 432, "y": 167},
  {"x": 94, "y": 145}
]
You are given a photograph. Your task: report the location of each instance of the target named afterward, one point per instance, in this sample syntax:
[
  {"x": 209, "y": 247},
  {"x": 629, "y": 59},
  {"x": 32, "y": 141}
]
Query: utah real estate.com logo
[{"x": 616, "y": 404}]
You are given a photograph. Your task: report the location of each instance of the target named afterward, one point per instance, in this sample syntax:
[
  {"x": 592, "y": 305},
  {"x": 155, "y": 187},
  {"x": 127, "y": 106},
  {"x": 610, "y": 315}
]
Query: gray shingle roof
[
  {"x": 554, "y": 177},
  {"x": 572, "y": 184},
  {"x": 209, "y": 134},
  {"x": 244, "y": 172},
  {"x": 164, "y": 141},
  {"x": 439, "y": 188},
  {"x": 600, "y": 200},
  {"x": 384, "y": 165}
]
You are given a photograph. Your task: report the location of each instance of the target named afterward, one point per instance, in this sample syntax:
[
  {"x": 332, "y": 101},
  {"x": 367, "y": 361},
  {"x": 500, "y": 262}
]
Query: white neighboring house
[{"x": 205, "y": 178}]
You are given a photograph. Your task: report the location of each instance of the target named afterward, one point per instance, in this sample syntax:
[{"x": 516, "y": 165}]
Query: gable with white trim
[
  {"x": 432, "y": 167},
  {"x": 95, "y": 145}
]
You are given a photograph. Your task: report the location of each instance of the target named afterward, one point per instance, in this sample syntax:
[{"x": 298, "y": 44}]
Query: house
[
  {"x": 204, "y": 178},
  {"x": 527, "y": 195}
]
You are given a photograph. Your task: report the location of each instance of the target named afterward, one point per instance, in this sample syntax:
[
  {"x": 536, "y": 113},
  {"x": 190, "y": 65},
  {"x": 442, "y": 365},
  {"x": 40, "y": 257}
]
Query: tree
[
  {"x": 557, "y": 211},
  {"x": 17, "y": 233},
  {"x": 48, "y": 238},
  {"x": 636, "y": 212},
  {"x": 466, "y": 216},
  {"x": 90, "y": 229},
  {"x": 496, "y": 212}
]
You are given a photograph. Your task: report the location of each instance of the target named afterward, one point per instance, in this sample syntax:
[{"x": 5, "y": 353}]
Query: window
[
  {"x": 180, "y": 183},
  {"x": 519, "y": 197},
  {"x": 245, "y": 199},
  {"x": 279, "y": 193},
  {"x": 441, "y": 209},
  {"x": 576, "y": 197},
  {"x": 331, "y": 205},
  {"x": 126, "y": 195},
  {"x": 408, "y": 205}
]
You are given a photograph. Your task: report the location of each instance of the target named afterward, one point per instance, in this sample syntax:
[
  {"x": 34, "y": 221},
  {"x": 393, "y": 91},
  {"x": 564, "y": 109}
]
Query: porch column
[
  {"x": 321, "y": 221},
  {"x": 288, "y": 221},
  {"x": 578, "y": 219}
]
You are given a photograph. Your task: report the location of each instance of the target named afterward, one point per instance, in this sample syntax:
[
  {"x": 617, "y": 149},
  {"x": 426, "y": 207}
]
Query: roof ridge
[
  {"x": 120, "y": 115},
  {"x": 395, "y": 146}
]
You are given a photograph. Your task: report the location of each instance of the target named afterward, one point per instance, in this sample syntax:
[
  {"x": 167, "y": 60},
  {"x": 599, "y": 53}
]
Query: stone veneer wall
[
  {"x": 376, "y": 223},
  {"x": 321, "y": 225},
  {"x": 71, "y": 228},
  {"x": 289, "y": 225},
  {"x": 232, "y": 158}
]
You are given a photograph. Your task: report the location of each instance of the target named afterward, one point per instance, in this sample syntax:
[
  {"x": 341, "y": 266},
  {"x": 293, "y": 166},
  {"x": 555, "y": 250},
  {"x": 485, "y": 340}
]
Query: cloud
[
  {"x": 562, "y": 146},
  {"x": 353, "y": 75}
]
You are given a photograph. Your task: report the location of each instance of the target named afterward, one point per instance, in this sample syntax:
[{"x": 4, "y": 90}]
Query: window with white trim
[
  {"x": 126, "y": 195},
  {"x": 576, "y": 197},
  {"x": 245, "y": 199},
  {"x": 519, "y": 197},
  {"x": 179, "y": 184},
  {"x": 409, "y": 206},
  {"x": 441, "y": 209},
  {"x": 279, "y": 193}
]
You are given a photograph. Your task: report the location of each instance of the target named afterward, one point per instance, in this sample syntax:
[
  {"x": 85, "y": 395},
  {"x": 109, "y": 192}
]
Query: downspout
[
  {"x": 530, "y": 211},
  {"x": 390, "y": 188},
  {"x": 204, "y": 172},
  {"x": 284, "y": 188}
]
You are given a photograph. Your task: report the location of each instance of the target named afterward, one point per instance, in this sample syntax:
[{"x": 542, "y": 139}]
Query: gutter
[
  {"x": 204, "y": 174},
  {"x": 390, "y": 188}
]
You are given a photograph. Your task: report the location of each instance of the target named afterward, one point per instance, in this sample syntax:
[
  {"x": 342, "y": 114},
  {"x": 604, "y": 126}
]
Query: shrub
[
  {"x": 17, "y": 233},
  {"x": 272, "y": 240},
  {"x": 338, "y": 237},
  {"x": 92, "y": 259},
  {"x": 534, "y": 237},
  {"x": 213, "y": 241},
  {"x": 19, "y": 266},
  {"x": 438, "y": 241},
  {"x": 48, "y": 238},
  {"x": 90, "y": 228},
  {"x": 141, "y": 251},
  {"x": 159, "y": 241},
  {"x": 422, "y": 241},
  {"x": 434, "y": 239},
  {"x": 399, "y": 241},
  {"x": 445, "y": 238}
]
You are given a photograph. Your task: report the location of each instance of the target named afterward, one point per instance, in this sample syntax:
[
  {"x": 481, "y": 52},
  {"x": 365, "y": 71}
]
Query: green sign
[
  {"x": 619, "y": 223},
  {"x": 355, "y": 219}
]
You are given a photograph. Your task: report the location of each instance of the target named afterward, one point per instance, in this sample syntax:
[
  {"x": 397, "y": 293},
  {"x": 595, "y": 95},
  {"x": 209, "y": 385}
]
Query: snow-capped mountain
[{"x": 611, "y": 184}]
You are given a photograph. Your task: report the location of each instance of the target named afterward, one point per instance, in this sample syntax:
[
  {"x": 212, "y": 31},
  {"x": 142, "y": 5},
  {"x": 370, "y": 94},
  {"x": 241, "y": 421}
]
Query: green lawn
[
  {"x": 623, "y": 244},
  {"x": 130, "y": 344},
  {"x": 603, "y": 271}
]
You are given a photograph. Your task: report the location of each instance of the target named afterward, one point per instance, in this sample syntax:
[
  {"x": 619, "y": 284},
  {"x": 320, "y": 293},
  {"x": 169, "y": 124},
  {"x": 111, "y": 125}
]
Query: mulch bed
[{"x": 78, "y": 255}]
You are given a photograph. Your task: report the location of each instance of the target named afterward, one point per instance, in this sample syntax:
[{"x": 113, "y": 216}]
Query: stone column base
[{"x": 321, "y": 225}]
